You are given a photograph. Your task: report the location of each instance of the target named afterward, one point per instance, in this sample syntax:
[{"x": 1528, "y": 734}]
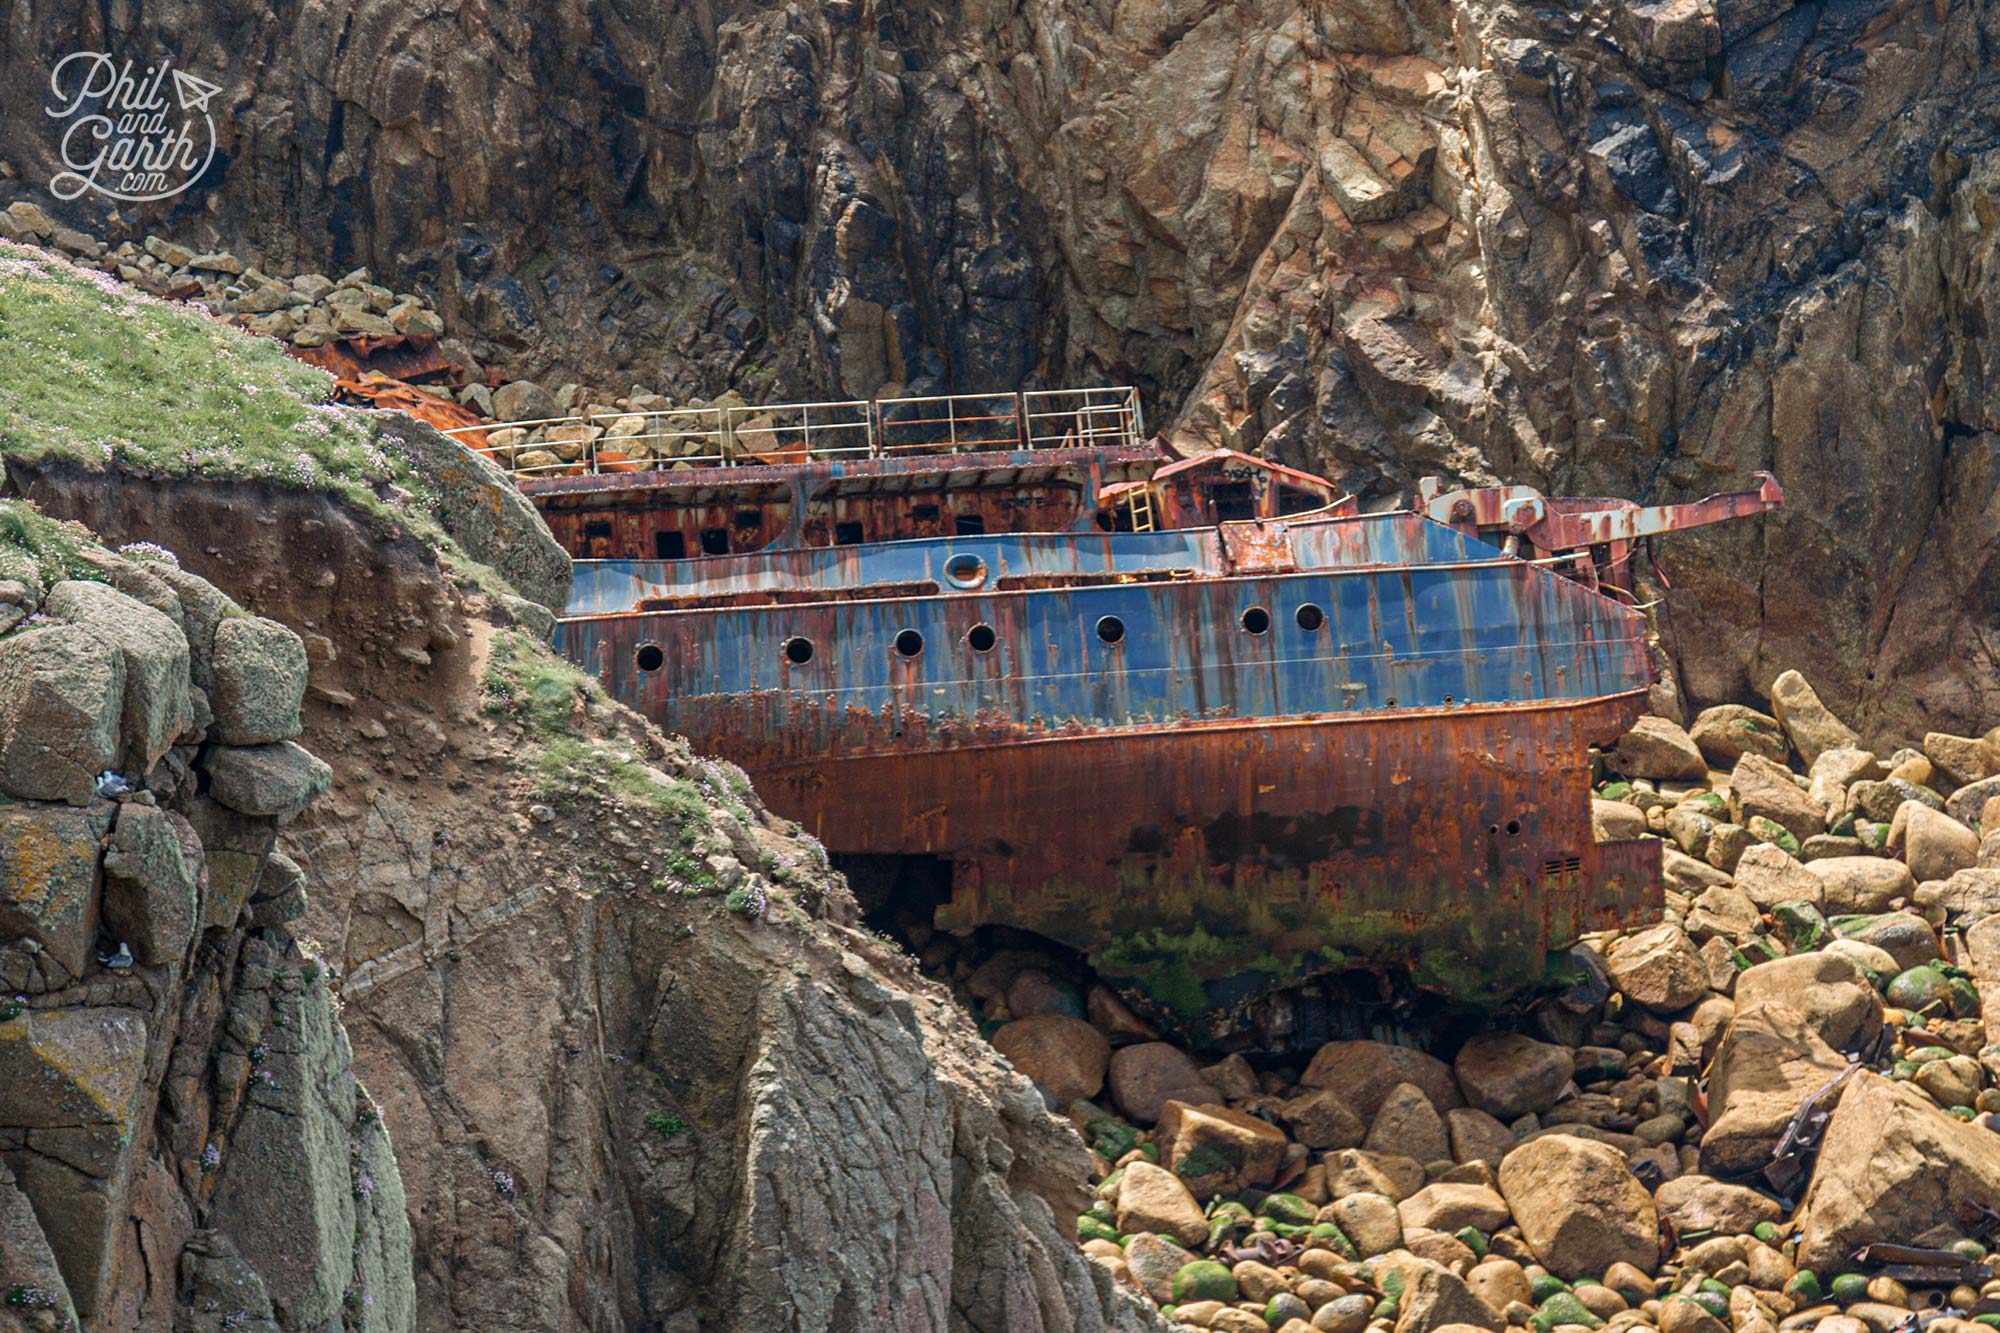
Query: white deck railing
[{"x": 798, "y": 432}]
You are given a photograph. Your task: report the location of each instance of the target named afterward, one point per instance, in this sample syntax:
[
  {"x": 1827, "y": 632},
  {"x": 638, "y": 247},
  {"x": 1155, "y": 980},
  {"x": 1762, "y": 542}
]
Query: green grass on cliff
[
  {"x": 546, "y": 697},
  {"x": 38, "y": 550},
  {"x": 97, "y": 373}
]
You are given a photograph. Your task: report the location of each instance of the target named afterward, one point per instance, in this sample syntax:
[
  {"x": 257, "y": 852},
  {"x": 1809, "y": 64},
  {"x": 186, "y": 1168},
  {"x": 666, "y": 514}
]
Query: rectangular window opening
[{"x": 1233, "y": 501}]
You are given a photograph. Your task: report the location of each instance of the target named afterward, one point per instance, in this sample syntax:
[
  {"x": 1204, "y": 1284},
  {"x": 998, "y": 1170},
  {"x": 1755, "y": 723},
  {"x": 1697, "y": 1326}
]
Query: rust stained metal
[
  {"x": 1218, "y": 859},
  {"x": 1563, "y": 524},
  {"x": 1913, "y": 1263},
  {"x": 1211, "y": 807},
  {"x": 1219, "y": 758},
  {"x": 714, "y": 511},
  {"x": 383, "y": 373},
  {"x": 1221, "y": 486}
]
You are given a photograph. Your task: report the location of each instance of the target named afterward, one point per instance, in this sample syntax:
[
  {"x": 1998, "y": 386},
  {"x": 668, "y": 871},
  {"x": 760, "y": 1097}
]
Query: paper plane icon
[{"x": 194, "y": 93}]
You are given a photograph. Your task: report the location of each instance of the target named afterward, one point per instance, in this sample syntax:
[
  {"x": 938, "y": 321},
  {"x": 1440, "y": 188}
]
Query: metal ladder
[{"x": 1142, "y": 509}]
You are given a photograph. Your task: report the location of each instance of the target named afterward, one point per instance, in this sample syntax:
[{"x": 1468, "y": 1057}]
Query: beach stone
[
  {"x": 1703, "y": 1203},
  {"x": 1446, "y": 1207},
  {"x": 1065, "y": 1057},
  {"x": 1726, "y": 845},
  {"x": 1966, "y": 897},
  {"x": 1205, "y": 1280},
  {"x": 1835, "y": 771},
  {"x": 1153, "y": 1259},
  {"x": 1686, "y": 875},
  {"x": 1769, "y": 875},
  {"x": 1657, "y": 748},
  {"x": 1727, "y": 732},
  {"x": 1905, "y": 938},
  {"x": 1810, "y": 723},
  {"x": 1726, "y": 910},
  {"x": 1358, "y": 1171},
  {"x": 1968, "y": 801},
  {"x": 1770, "y": 1059},
  {"x": 1036, "y": 992},
  {"x": 1878, "y": 962},
  {"x": 1893, "y": 1167},
  {"x": 1579, "y": 1206},
  {"x": 1509, "y": 1075},
  {"x": 1152, "y": 1198},
  {"x": 1217, "y": 1150},
  {"x": 1365, "y": 1072},
  {"x": 1659, "y": 968},
  {"x": 1835, "y": 996},
  {"x": 1435, "y": 1299},
  {"x": 1962, "y": 759},
  {"x": 1321, "y": 1118},
  {"x": 1615, "y": 821},
  {"x": 1477, "y": 1136},
  {"x": 1407, "y": 1124},
  {"x": 1499, "y": 1282},
  {"x": 1953, "y": 1081},
  {"x": 1374, "y": 1222},
  {"x": 1932, "y": 843},
  {"x": 1861, "y": 885},
  {"x": 1760, "y": 788},
  {"x": 1146, "y": 1076},
  {"x": 524, "y": 400}
]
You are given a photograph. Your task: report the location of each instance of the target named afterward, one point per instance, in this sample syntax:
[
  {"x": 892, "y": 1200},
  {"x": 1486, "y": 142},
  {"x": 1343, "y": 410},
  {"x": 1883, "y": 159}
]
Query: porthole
[
  {"x": 1513, "y": 828},
  {"x": 981, "y": 638},
  {"x": 798, "y": 650},
  {"x": 965, "y": 570},
  {"x": 909, "y": 643},
  {"x": 1256, "y": 620},
  {"x": 1391, "y": 701},
  {"x": 649, "y": 657},
  {"x": 1111, "y": 630},
  {"x": 1310, "y": 618}
]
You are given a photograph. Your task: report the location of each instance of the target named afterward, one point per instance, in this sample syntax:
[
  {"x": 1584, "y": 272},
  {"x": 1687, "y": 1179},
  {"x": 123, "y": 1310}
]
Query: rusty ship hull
[
  {"x": 1329, "y": 744},
  {"x": 1198, "y": 718}
]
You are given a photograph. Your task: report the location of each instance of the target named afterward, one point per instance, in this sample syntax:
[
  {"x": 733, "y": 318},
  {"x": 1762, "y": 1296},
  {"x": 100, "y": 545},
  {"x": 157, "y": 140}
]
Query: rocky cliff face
[
  {"x": 1639, "y": 248},
  {"x": 183, "y": 1141}
]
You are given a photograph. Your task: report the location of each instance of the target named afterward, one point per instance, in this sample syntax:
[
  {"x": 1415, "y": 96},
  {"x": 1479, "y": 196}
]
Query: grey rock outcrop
[{"x": 179, "y": 1122}]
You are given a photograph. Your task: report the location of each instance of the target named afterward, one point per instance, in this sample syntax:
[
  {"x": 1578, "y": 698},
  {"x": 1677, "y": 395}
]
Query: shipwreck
[{"x": 1202, "y": 720}]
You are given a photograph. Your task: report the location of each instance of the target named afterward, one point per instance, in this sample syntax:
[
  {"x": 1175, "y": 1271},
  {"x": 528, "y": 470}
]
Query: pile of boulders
[
  {"x": 573, "y": 424},
  {"x": 309, "y": 310},
  {"x": 1705, "y": 1132},
  {"x": 639, "y": 429}
]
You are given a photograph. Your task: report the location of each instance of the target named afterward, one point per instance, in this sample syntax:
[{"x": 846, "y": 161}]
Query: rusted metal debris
[
  {"x": 1274, "y": 1251},
  {"x": 1913, "y": 1263},
  {"x": 1800, "y": 1141},
  {"x": 385, "y": 372}
]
